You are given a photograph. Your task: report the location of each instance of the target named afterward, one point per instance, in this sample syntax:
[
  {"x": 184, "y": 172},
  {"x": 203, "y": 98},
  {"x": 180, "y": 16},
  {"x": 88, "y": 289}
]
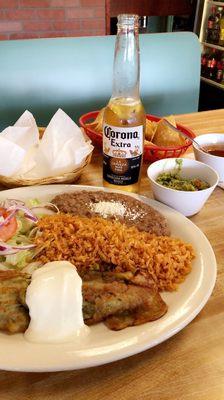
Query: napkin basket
[{"x": 68, "y": 177}]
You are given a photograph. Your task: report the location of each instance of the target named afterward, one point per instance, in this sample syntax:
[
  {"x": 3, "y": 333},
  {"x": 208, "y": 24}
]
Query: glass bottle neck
[{"x": 126, "y": 63}]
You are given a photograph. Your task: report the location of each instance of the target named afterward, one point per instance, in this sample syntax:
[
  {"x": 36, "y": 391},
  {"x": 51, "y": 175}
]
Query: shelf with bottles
[
  {"x": 212, "y": 41},
  {"x": 212, "y": 26},
  {"x": 213, "y": 83},
  {"x": 212, "y": 66},
  {"x": 213, "y": 46},
  {"x": 216, "y": 3}
]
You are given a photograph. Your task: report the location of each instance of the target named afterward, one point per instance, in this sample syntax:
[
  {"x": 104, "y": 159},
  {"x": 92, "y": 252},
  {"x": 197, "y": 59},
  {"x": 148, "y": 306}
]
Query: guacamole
[{"x": 174, "y": 180}]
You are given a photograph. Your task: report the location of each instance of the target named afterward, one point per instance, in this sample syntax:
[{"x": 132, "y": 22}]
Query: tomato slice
[{"x": 8, "y": 230}]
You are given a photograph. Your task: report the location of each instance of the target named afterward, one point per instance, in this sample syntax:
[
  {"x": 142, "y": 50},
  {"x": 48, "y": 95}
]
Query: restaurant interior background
[{"x": 24, "y": 19}]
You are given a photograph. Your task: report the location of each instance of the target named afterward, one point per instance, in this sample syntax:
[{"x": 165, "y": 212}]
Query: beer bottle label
[{"x": 122, "y": 154}]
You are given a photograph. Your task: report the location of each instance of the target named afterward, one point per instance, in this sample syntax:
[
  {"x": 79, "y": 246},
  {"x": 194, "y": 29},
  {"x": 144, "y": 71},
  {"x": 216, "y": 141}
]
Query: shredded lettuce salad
[{"x": 19, "y": 251}]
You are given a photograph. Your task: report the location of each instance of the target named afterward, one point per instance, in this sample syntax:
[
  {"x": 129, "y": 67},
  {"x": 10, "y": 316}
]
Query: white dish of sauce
[{"x": 214, "y": 156}]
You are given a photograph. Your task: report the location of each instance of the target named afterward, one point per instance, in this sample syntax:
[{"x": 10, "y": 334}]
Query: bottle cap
[{"x": 128, "y": 19}]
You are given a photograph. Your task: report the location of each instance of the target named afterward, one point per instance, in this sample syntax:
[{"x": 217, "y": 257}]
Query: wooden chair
[{"x": 75, "y": 74}]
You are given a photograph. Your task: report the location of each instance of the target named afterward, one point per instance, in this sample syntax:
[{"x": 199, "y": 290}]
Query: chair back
[{"x": 75, "y": 74}]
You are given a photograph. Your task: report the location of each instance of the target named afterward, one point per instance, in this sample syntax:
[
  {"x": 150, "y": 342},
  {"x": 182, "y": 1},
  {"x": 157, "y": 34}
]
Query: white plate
[{"x": 102, "y": 345}]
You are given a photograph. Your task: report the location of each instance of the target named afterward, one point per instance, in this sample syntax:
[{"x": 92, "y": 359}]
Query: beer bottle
[
  {"x": 212, "y": 65},
  {"x": 204, "y": 61},
  {"x": 124, "y": 116},
  {"x": 216, "y": 27},
  {"x": 220, "y": 67},
  {"x": 221, "y": 37},
  {"x": 210, "y": 25}
]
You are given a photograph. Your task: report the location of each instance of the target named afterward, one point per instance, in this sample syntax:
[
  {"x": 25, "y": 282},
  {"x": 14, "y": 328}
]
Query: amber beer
[{"x": 124, "y": 117}]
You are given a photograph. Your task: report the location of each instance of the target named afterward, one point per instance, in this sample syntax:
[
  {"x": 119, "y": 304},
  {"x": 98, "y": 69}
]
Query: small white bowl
[
  {"x": 214, "y": 161},
  {"x": 188, "y": 203}
]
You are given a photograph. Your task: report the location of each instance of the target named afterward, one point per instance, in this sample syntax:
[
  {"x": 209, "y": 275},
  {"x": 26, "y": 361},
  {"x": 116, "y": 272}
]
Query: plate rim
[{"x": 144, "y": 345}]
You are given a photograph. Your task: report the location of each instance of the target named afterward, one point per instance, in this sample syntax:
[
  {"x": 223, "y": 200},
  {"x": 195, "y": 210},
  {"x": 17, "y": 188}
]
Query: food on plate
[
  {"x": 92, "y": 243},
  {"x": 117, "y": 302},
  {"x": 8, "y": 224},
  {"x": 54, "y": 299},
  {"x": 174, "y": 180},
  {"x": 120, "y": 247},
  {"x": 110, "y": 205},
  {"x": 14, "y": 317},
  {"x": 156, "y": 133}
]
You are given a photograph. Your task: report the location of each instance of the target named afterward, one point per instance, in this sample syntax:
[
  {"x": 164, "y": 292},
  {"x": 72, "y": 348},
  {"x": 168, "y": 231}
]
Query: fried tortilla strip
[
  {"x": 119, "y": 301},
  {"x": 97, "y": 124},
  {"x": 120, "y": 304},
  {"x": 165, "y": 136},
  {"x": 108, "y": 273},
  {"x": 152, "y": 308},
  {"x": 14, "y": 316},
  {"x": 150, "y": 129}
]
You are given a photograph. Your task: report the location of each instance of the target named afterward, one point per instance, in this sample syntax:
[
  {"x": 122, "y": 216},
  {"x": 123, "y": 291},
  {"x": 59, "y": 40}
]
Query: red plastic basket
[{"x": 151, "y": 153}]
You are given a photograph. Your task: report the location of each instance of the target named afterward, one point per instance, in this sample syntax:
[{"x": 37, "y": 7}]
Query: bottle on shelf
[
  {"x": 216, "y": 26},
  {"x": 211, "y": 69},
  {"x": 219, "y": 73},
  {"x": 124, "y": 116},
  {"x": 204, "y": 61},
  {"x": 221, "y": 32},
  {"x": 210, "y": 25},
  {"x": 219, "y": 13}
]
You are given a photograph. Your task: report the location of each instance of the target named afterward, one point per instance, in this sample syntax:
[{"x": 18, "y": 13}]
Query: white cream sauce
[{"x": 54, "y": 298}]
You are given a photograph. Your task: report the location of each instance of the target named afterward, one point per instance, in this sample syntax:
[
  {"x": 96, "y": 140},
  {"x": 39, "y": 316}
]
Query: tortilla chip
[
  {"x": 97, "y": 124},
  {"x": 165, "y": 136},
  {"x": 150, "y": 129},
  {"x": 156, "y": 133},
  {"x": 149, "y": 143}
]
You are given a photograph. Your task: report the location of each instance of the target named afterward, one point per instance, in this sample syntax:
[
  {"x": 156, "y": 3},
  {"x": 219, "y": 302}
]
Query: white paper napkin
[
  {"x": 24, "y": 133},
  {"x": 62, "y": 148},
  {"x": 11, "y": 157}
]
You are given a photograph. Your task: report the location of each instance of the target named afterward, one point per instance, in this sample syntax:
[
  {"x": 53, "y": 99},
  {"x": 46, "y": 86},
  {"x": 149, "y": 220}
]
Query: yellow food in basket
[
  {"x": 156, "y": 133},
  {"x": 165, "y": 136}
]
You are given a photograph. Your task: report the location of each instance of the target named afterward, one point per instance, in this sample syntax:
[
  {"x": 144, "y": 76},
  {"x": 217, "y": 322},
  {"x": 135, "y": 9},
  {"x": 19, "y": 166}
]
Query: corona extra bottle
[{"x": 124, "y": 116}]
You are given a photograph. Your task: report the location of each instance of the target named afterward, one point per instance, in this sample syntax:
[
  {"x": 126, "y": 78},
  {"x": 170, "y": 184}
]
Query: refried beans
[{"x": 115, "y": 206}]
